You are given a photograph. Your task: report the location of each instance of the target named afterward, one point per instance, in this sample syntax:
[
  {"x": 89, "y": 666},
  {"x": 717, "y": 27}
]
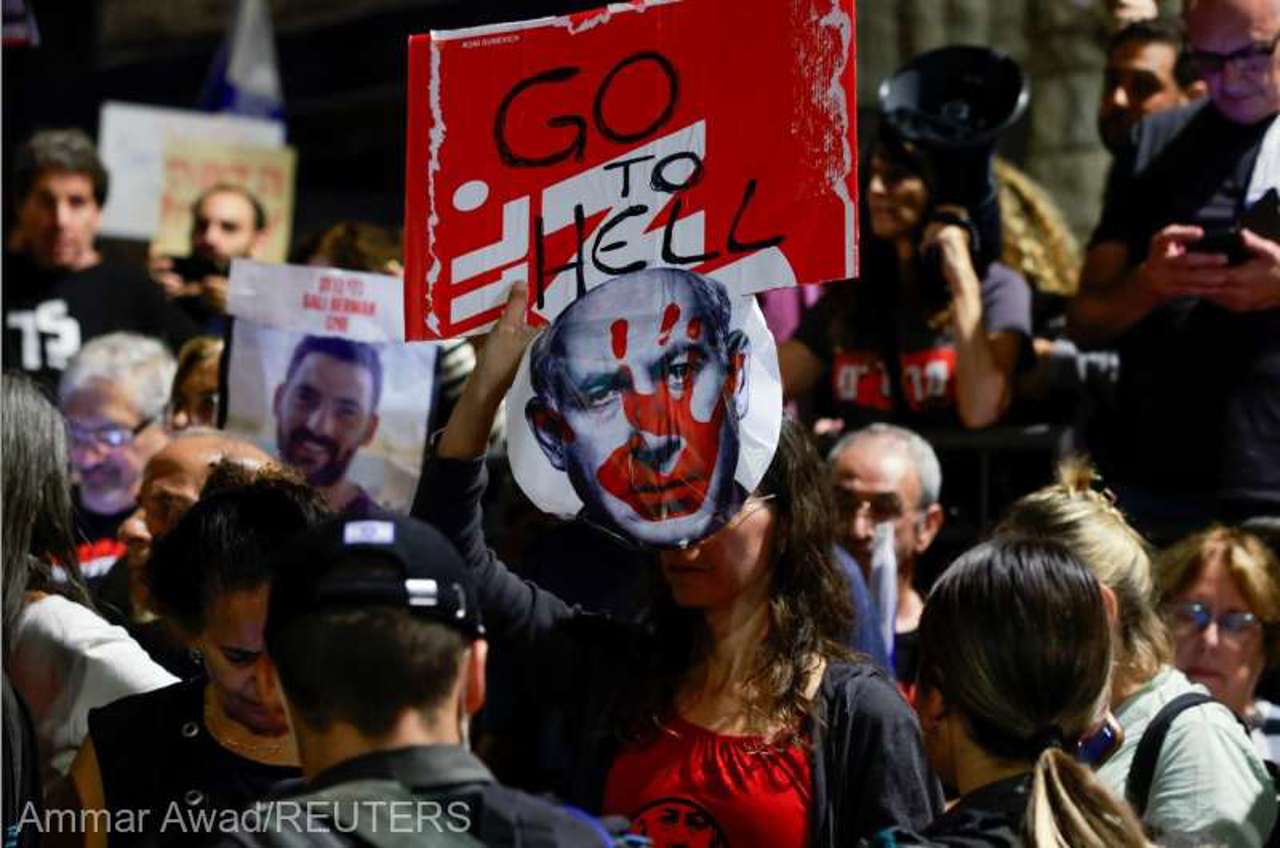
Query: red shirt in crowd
[{"x": 691, "y": 787}]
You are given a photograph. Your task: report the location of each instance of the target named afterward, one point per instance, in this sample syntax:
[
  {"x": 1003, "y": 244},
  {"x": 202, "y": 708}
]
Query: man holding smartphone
[
  {"x": 1194, "y": 309},
  {"x": 227, "y": 221}
]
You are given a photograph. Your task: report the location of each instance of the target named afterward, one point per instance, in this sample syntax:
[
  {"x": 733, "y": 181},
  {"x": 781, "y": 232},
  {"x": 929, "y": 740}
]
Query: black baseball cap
[{"x": 432, "y": 580}]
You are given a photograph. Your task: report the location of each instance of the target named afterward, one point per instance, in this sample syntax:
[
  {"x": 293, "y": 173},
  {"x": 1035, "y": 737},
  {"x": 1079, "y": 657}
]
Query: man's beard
[{"x": 329, "y": 473}]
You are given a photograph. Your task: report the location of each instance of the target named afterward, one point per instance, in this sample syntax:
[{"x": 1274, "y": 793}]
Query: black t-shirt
[
  {"x": 884, "y": 361},
  {"x": 96, "y": 542},
  {"x": 48, "y": 316},
  {"x": 1199, "y": 399},
  {"x": 155, "y": 754}
]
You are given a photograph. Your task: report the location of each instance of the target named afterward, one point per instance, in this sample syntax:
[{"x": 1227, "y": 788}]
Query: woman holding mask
[{"x": 733, "y": 707}]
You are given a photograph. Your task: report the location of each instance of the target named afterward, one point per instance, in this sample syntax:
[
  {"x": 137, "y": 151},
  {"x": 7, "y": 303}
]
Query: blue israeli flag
[{"x": 245, "y": 77}]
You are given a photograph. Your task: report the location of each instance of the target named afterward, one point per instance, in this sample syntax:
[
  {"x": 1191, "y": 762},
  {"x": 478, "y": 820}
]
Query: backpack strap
[{"x": 1137, "y": 786}]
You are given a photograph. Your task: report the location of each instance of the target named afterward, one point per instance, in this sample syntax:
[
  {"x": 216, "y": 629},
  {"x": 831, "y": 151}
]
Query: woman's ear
[
  {"x": 1111, "y": 605},
  {"x": 931, "y": 707}
]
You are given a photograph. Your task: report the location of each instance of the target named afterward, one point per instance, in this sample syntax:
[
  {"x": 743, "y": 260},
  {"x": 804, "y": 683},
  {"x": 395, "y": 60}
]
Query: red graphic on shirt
[
  {"x": 678, "y": 823},
  {"x": 859, "y": 377},
  {"x": 666, "y": 428},
  {"x": 927, "y": 378}
]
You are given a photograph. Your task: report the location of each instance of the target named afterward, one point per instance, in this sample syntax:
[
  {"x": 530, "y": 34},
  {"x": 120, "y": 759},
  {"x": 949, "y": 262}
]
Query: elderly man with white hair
[
  {"x": 113, "y": 396},
  {"x": 885, "y": 475}
]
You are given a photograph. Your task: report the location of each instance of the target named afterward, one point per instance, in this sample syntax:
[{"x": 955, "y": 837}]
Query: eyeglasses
[
  {"x": 112, "y": 436},
  {"x": 883, "y": 506},
  {"x": 1191, "y": 617},
  {"x": 1253, "y": 59}
]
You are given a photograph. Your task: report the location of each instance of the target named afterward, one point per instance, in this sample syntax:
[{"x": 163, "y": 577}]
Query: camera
[{"x": 196, "y": 267}]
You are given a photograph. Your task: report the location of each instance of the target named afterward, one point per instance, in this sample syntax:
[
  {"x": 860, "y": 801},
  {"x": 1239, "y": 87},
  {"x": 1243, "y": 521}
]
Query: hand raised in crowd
[
  {"x": 214, "y": 290},
  {"x": 1255, "y": 284},
  {"x": 467, "y": 432},
  {"x": 952, "y": 242},
  {"x": 160, "y": 267},
  {"x": 1173, "y": 269}
]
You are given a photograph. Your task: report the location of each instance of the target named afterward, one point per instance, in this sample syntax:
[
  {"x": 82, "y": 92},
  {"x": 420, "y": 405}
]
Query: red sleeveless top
[{"x": 691, "y": 787}]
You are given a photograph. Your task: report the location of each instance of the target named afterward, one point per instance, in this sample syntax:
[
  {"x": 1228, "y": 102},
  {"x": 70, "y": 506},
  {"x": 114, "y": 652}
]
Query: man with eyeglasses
[
  {"x": 889, "y": 475},
  {"x": 1197, "y": 430},
  {"x": 113, "y": 396}
]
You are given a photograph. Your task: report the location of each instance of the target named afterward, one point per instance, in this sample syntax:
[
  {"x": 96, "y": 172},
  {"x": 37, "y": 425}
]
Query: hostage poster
[
  {"x": 318, "y": 375},
  {"x": 695, "y": 134}
]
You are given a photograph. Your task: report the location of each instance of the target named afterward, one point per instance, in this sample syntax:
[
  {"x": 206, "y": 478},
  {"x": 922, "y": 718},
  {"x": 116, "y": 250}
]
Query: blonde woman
[
  {"x": 1219, "y": 590},
  {"x": 1207, "y": 781}
]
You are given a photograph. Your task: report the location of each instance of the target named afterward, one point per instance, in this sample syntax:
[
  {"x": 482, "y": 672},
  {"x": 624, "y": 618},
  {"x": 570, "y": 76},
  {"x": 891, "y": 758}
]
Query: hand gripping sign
[
  {"x": 649, "y": 407},
  {"x": 705, "y": 135}
]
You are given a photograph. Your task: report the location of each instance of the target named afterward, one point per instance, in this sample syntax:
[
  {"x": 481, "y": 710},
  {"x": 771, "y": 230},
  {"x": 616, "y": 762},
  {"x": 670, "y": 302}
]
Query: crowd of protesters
[{"x": 195, "y": 632}]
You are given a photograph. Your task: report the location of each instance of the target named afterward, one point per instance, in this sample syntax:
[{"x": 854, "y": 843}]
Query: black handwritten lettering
[
  {"x": 673, "y": 93},
  {"x": 604, "y": 230},
  {"x": 736, "y": 246},
  {"x": 575, "y": 149},
  {"x": 625, "y": 165},
  {"x": 669, "y": 255},
  {"x": 545, "y": 274},
  {"x": 658, "y": 179}
]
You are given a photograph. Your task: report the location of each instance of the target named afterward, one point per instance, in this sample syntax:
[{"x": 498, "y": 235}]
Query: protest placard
[
  {"x": 190, "y": 167},
  {"x": 567, "y": 151},
  {"x": 318, "y": 375},
  {"x": 650, "y": 407},
  {"x": 131, "y": 141}
]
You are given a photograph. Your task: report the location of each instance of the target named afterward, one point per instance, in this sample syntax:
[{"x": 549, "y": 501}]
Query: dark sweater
[{"x": 869, "y": 768}]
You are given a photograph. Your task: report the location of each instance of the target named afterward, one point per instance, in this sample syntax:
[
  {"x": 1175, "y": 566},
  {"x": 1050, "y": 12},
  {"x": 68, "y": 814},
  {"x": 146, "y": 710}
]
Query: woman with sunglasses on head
[
  {"x": 1015, "y": 666},
  {"x": 732, "y": 711},
  {"x": 1204, "y": 776},
  {"x": 1219, "y": 590}
]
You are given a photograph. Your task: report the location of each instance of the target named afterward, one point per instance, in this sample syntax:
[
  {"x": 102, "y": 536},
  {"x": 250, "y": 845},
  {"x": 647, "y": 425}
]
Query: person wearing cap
[
  {"x": 195, "y": 750},
  {"x": 375, "y": 638},
  {"x": 935, "y": 328}
]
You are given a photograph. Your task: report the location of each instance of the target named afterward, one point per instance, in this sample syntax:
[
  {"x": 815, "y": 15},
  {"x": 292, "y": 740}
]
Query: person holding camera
[
  {"x": 227, "y": 222},
  {"x": 1183, "y": 278},
  {"x": 934, "y": 329}
]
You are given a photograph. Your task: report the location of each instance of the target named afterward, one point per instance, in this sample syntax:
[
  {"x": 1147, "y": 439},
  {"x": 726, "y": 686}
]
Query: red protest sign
[{"x": 567, "y": 151}]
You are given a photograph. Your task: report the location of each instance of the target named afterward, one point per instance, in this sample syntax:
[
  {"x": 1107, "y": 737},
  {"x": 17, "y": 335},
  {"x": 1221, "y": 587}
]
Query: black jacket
[
  {"x": 869, "y": 769},
  {"x": 436, "y": 795},
  {"x": 988, "y": 817}
]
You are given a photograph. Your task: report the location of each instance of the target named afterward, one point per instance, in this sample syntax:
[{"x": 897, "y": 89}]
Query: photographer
[
  {"x": 227, "y": 222},
  {"x": 933, "y": 330}
]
